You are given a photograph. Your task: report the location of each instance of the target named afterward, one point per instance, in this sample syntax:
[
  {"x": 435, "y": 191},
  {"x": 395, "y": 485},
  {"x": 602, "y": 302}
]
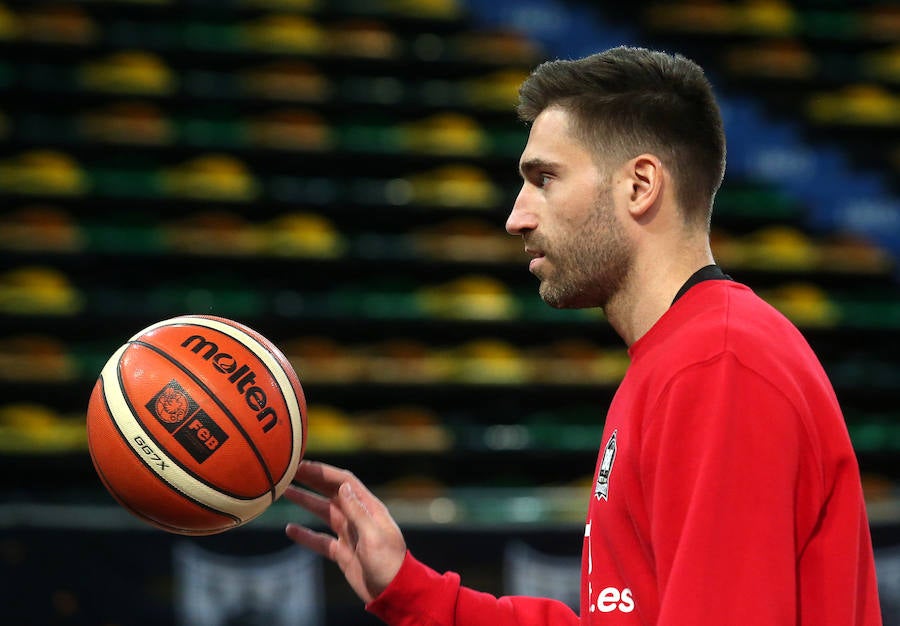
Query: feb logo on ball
[
  {"x": 172, "y": 404},
  {"x": 188, "y": 424}
]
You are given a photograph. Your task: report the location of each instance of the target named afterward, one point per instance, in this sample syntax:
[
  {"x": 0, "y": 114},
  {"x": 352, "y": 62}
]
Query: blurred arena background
[{"x": 336, "y": 174}]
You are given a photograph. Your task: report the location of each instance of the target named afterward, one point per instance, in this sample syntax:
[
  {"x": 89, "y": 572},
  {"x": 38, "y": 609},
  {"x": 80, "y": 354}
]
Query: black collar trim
[{"x": 710, "y": 272}]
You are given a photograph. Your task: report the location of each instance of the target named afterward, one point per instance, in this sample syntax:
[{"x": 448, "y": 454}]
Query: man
[{"x": 726, "y": 490}]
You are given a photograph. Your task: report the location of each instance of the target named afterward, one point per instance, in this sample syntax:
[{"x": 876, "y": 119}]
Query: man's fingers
[
  {"x": 325, "y": 509},
  {"x": 324, "y": 478},
  {"x": 324, "y": 544},
  {"x": 345, "y": 503},
  {"x": 369, "y": 547},
  {"x": 359, "y": 517},
  {"x": 369, "y": 502},
  {"x": 331, "y": 548},
  {"x": 315, "y": 504},
  {"x": 327, "y": 480}
]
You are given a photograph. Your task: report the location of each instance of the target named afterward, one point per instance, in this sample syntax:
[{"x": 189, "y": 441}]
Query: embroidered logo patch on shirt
[{"x": 606, "y": 465}]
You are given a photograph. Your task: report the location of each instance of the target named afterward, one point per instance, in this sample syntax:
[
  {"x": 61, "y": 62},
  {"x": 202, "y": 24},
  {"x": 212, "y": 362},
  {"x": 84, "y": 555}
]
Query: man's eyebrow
[{"x": 530, "y": 165}]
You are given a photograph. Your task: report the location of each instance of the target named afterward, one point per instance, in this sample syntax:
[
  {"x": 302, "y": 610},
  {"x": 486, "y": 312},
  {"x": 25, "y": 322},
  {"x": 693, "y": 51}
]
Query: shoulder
[
  {"x": 761, "y": 337},
  {"x": 735, "y": 338},
  {"x": 718, "y": 318}
]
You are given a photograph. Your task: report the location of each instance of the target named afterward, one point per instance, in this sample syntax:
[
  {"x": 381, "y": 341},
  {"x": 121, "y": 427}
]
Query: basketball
[{"x": 196, "y": 424}]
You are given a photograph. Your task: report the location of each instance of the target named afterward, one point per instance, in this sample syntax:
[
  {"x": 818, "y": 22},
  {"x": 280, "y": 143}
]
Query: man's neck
[{"x": 650, "y": 290}]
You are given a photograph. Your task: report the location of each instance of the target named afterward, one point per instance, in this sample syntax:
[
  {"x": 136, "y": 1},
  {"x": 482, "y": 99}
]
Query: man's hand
[{"x": 369, "y": 547}]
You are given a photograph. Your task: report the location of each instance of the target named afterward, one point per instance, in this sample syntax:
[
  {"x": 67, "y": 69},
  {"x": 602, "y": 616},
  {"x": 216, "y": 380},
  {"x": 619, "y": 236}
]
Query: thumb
[{"x": 353, "y": 507}]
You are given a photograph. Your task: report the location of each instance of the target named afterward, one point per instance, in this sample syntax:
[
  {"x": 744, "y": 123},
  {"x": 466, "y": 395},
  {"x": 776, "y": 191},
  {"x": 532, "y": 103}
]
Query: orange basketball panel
[
  {"x": 207, "y": 438},
  {"x": 285, "y": 366},
  {"x": 136, "y": 487},
  {"x": 240, "y": 381}
]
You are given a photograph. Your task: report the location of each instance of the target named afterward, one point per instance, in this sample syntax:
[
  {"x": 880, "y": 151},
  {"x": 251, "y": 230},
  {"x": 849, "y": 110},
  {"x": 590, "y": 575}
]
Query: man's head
[
  {"x": 628, "y": 101},
  {"x": 624, "y": 157}
]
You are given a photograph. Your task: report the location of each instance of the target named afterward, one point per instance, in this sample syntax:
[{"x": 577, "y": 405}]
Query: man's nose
[{"x": 521, "y": 218}]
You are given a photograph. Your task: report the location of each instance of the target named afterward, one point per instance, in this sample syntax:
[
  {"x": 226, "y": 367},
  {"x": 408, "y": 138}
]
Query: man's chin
[{"x": 559, "y": 300}]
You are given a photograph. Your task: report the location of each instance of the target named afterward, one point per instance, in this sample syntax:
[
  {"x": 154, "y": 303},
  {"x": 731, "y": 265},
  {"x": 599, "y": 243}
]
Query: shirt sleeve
[
  {"x": 730, "y": 483},
  {"x": 420, "y": 596}
]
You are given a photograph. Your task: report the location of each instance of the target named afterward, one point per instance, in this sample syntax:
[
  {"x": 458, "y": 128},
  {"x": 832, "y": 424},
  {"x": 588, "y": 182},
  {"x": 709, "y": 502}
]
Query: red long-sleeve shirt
[{"x": 726, "y": 491}]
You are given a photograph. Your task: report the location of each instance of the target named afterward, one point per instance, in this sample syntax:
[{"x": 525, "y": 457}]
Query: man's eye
[{"x": 544, "y": 179}]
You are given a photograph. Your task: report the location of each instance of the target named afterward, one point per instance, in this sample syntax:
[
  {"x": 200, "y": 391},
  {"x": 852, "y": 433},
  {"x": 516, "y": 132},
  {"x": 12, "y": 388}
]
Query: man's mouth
[{"x": 536, "y": 256}]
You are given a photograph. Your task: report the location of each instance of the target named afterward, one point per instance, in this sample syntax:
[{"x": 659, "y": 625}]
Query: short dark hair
[{"x": 627, "y": 101}]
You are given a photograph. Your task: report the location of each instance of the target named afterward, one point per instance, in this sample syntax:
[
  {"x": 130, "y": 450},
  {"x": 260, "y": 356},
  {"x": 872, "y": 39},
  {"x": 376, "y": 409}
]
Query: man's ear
[{"x": 645, "y": 174}]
